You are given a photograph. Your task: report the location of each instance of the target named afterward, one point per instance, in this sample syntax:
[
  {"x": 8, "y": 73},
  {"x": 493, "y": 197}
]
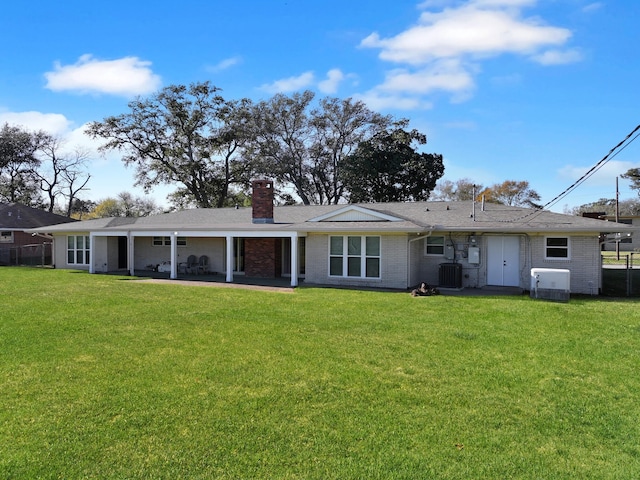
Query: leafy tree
[
  {"x": 608, "y": 207},
  {"x": 511, "y": 192},
  {"x": 107, "y": 207},
  {"x": 33, "y": 164},
  {"x": 18, "y": 162},
  {"x": 124, "y": 205},
  {"x": 633, "y": 174},
  {"x": 460, "y": 190},
  {"x": 80, "y": 209},
  {"x": 185, "y": 135},
  {"x": 303, "y": 146},
  {"x": 132, "y": 206},
  {"x": 387, "y": 168}
]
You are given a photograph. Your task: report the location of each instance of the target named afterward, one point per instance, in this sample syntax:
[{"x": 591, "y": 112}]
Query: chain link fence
[
  {"x": 36, "y": 255},
  {"x": 621, "y": 274}
]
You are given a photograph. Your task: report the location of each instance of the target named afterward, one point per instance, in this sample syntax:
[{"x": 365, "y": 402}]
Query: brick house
[
  {"x": 16, "y": 245},
  {"x": 385, "y": 245}
]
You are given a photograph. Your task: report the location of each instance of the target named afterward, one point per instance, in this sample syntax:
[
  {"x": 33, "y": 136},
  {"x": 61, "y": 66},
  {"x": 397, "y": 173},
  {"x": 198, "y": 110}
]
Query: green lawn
[{"x": 104, "y": 377}]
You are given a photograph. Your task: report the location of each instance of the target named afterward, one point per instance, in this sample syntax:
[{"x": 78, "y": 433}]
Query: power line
[{"x": 610, "y": 155}]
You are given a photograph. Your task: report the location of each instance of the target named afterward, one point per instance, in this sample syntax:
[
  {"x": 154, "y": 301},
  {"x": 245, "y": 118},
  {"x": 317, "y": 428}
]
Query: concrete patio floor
[{"x": 283, "y": 284}]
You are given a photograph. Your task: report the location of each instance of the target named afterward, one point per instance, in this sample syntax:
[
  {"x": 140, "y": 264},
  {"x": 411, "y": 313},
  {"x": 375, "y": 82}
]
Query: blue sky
[{"x": 536, "y": 90}]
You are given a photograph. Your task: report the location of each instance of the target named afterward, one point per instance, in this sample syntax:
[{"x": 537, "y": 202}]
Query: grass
[
  {"x": 103, "y": 377},
  {"x": 612, "y": 258},
  {"x": 620, "y": 281}
]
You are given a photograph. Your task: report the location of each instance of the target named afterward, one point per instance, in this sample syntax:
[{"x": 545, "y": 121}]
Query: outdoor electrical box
[
  {"x": 474, "y": 255},
  {"x": 449, "y": 252}
]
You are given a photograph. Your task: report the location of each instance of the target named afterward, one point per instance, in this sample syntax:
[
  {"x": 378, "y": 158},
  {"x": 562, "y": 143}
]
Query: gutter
[{"x": 43, "y": 235}]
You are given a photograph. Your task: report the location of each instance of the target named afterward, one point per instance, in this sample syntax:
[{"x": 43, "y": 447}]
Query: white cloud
[
  {"x": 446, "y": 75},
  {"x": 225, "y": 64},
  {"x": 290, "y": 84},
  {"x": 592, "y": 7},
  {"x": 558, "y": 57},
  {"x": 477, "y": 29},
  {"x": 53, "y": 123},
  {"x": 379, "y": 101},
  {"x": 332, "y": 82},
  {"x": 604, "y": 176},
  {"x": 126, "y": 76},
  {"x": 443, "y": 51},
  {"x": 455, "y": 171}
]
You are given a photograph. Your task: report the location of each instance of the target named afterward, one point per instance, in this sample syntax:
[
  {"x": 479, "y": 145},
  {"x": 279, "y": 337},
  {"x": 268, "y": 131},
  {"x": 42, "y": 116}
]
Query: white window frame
[
  {"x": 557, "y": 247},
  {"x": 84, "y": 251},
  {"x": 6, "y": 236},
  {"x": 426, "y": 245},
  {"x": 363, "y": 256},
  {"x": 166, "y": 241}
]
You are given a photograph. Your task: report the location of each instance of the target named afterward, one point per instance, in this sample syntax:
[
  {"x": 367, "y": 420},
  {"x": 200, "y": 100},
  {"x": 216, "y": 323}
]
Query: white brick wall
[
  {"x": 393, "y": 268},
  {"x": 428, "y": 266},
  {"x": 584, "y": 263}
]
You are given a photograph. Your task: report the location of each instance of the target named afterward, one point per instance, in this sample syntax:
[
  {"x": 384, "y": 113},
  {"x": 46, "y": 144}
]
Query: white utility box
[
  {"x": 474, "y": 255},
  {"x": 551, "y": 284}
]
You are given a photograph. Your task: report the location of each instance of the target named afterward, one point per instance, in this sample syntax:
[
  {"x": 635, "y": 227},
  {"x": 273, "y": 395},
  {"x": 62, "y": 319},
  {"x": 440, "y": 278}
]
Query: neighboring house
[
  {"x": 385, "y": 245},
  {"x": 16, "y": 245},
  {"x": 625, "y": 242}
]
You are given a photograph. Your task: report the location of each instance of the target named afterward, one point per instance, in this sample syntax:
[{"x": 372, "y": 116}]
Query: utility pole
[{"x": 617, "y": 219}]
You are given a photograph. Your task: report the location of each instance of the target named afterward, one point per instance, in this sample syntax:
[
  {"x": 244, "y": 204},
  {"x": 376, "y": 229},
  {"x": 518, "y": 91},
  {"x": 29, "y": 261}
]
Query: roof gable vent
[{"x": 354, "y": 213}]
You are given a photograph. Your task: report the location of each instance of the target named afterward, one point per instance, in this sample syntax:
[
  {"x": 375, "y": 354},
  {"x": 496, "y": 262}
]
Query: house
[
  {"x": 625, "y": 242},
  {"x": 386, "y": 245},
  {"x": 17, "y": 246}
]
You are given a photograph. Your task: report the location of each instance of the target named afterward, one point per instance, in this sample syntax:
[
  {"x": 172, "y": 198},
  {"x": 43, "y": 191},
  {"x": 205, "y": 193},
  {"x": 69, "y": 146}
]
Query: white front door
[{"x": 503, "y": 261}]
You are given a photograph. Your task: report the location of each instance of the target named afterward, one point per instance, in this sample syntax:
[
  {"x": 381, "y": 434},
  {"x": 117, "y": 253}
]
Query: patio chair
[
  {"x": 203, "y": 264},
  {"x": 192, "y": 264}
]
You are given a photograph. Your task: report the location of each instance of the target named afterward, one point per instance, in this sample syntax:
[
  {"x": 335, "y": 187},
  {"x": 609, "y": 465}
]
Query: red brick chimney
[{"x": 262, "y": 201}]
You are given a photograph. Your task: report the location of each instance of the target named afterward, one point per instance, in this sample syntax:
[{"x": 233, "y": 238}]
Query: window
[
  {"x": 6, "y": 237},
  {"x": 166, "y": 241},
  {"x": 557, "y": 248},
  {"x": 354, "y": 256},
  {"x": 78, "y": 250},
  {"x": 434, "y": 246}
]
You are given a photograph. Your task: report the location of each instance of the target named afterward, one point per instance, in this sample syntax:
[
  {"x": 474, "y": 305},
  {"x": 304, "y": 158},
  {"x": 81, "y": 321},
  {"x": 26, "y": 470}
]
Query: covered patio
[{"x": 244, "y": 257}]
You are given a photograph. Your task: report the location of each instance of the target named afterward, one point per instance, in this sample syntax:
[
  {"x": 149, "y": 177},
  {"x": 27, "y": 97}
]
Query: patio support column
[
  {"x": 130, "y": 256},
  {"x": 294, "y": 260},
  {"x": 92, "y": 249},
  {"x": 229, "y": 239},
  {"x": 174, "y": 256}
]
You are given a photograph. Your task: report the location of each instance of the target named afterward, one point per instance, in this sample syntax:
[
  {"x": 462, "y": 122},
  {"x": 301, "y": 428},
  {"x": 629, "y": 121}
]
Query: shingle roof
[
  {"x": 14, "y": 216},
  {"x": 411, "y": 217}
]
